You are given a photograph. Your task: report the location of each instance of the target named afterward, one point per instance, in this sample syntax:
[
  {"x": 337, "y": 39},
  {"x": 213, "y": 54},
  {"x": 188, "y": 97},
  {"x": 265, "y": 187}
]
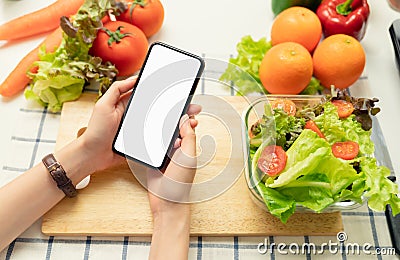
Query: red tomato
[
  {"x": 105, "y": 19},
  {"x": 285, "y": 104},
  {"x": 127, "y": 51},
  {"x": 148, "y": 15},
  {"x": 345, "y": 150},
  {"x": 344, "y": 108},
  {"x": 312, "y": 126},
  {"x": 272, "y": 160}
]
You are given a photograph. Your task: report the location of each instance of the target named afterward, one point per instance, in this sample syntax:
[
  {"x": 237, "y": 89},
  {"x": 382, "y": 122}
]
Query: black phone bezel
[
  {"x": 185, "y": 108},
  {"x": 394, "y": 31}
]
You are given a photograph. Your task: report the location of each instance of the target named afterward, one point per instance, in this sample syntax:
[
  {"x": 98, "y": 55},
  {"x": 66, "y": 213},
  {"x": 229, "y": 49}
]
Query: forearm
[
  {"x": 171, "y": 235},
  {"x": 29, "y": 196}
]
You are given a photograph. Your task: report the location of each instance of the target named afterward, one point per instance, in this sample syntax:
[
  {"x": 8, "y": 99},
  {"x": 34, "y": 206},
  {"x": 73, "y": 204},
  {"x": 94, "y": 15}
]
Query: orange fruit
[
  {"x": 339, "y": 60},
  {"x": 297, "y": 24},
  {"x": 286, "y": 68}
]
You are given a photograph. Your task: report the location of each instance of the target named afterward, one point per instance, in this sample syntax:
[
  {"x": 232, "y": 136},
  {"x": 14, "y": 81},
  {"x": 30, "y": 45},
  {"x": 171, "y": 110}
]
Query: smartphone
[{"x": 161, "y": 96}]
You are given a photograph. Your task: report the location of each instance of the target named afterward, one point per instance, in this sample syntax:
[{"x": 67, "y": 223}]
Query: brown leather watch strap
[{"x": 59, "y": 176}]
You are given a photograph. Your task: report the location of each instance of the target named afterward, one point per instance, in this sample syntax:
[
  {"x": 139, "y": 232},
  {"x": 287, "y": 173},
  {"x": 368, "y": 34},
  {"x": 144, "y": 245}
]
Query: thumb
[{"x": 188, "y": 144}]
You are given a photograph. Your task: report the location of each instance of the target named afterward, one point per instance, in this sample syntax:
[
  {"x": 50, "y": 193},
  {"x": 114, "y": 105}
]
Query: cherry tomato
[
  {"x": 122, "y": 44},
  {"x": 312, "y": 126},
  {"x": 344, "y": 108},
  {"x": 272, "y": 160},
  {"x": 286, "y": 105},
  {"x": 148, "y": 15},
  {"x": 345, "y": 150}
]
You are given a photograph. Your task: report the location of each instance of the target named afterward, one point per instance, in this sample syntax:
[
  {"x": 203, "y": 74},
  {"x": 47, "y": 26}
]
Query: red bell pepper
[{"x": 344, "y": 17}]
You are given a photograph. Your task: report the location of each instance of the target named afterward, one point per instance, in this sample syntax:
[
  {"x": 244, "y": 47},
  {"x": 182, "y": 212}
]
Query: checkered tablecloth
[{"x": 34, "y": 135}]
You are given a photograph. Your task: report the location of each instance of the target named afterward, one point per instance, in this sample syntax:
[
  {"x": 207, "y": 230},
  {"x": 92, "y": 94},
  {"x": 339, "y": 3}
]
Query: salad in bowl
[{"x": 315, "y": 154}]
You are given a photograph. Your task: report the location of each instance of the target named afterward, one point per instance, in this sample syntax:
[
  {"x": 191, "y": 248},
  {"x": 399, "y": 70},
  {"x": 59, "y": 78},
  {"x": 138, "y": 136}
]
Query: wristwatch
[{"x": 59, "y": 176}]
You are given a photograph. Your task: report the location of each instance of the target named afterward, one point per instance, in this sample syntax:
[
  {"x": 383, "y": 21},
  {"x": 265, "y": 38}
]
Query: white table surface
[{"x": 214, "y": 28}]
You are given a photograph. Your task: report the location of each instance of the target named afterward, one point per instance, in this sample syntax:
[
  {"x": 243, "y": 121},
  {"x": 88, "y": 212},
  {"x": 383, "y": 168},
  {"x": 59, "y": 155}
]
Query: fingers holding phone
[{"x": 193, "y": 110}]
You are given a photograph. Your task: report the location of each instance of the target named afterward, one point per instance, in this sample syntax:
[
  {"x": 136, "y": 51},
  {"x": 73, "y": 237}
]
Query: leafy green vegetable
[
  {"x": 313, "y": 87},
  {"x": 281, "y": 126},
  {"x": 287, "y": 128},
  {"x": 57, "y": 90},
  {"x": 309, "y": 154},
  {"x": 278, "y": 204},
  {"x": 380, "y": 190},
  {"x": 364, "y": 108},
  {"x": 63, "y": 74},
  {"x": 258, "y": 129},
  {"x": 242, "y": 70},
  {"x": 340, "y": 130},
  {"x": 313, "y": 177},
  {"x": 263, "y": 128}
]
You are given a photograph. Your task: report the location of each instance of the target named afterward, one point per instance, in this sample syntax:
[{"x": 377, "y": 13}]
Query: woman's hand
[
  {"x": 104, "y": 122},
  {"x": 169, "y": 195},
  {"x": 166, "y": 190},
  {"x": 35, "y": 192},
  {"x": 171, "y": 186}
]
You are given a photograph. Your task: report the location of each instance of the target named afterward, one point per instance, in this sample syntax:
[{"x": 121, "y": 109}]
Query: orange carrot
[
  {"x": 18, "y": 79},
  {"x": 43, "y": 20}
]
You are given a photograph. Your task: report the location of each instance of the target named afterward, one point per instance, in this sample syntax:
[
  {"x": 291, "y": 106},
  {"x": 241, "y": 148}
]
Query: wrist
[
  {"x": 182, "y": 214},
  {"x": 176, "y": 219},
  {"x": 171, "y": 231},
  {"x": 172, "y": 225},
  {"x": 76, "y": 162}
]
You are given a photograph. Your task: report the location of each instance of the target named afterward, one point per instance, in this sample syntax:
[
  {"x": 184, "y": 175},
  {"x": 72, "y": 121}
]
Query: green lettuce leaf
[
  {"x": 263, "y": 129},
  {"x": 380, "y": 191},
  {"x": 311, "y": 191},
  {"x": 354, "y": 132},
  {"x": 340, "y": 130},
  {"x": 311, "y": 154},
  {"x": 313, "y": 177},
  {"x": 57, "y": 90},
  {"x": 278, "y": 205},
  {"x": 287, "y": 128},
  {"x": 313, "y": 87},
  {"x": 63, "y": 74},
  {"x": 242, "y": 71}
]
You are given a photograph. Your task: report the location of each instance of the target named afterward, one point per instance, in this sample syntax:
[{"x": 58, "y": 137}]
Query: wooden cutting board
[{"x": 116, "y": 204}]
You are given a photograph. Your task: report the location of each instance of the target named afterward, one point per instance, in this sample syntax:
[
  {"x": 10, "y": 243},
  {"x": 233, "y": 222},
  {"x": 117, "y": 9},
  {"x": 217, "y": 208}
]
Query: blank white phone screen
[{"x": 157, "y": 105}]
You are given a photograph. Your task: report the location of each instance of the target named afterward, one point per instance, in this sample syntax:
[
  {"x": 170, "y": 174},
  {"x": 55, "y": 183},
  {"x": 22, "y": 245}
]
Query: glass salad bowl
[{"x": 251, "y": 115}]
